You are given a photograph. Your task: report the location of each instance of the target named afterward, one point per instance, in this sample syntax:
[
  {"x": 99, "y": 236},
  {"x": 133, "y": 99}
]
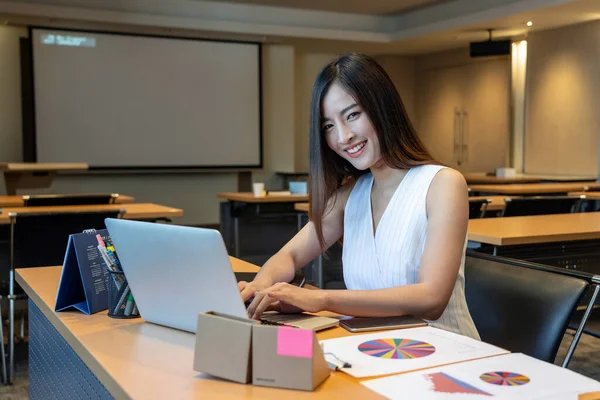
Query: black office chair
[
  {"x": 541, "y": 205},
  {"x": 520, "y": 306},
  {"x": 477, "y": 208},
  {"x": 40, "y": 239},
  {"x": 69, "y": 199}
]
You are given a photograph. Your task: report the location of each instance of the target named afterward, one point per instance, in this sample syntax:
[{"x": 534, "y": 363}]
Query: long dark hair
[{"x": 371, "y": 87}]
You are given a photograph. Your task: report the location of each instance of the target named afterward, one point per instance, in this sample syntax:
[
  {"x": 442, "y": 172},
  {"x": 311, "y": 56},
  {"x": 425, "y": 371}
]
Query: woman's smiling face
[{"x": 348, "y": 130}]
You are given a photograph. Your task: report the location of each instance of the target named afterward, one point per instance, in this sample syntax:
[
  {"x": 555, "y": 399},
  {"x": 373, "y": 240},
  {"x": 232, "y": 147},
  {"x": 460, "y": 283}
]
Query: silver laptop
[{"x": 176, "y": 272}]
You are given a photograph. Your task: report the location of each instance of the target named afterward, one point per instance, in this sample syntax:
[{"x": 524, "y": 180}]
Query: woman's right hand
[
  {"x": 255, "y": 293},
  {"x": 249, "y": 289}
]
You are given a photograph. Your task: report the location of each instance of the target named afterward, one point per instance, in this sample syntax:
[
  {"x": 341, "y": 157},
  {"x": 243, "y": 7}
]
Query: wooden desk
[
  {"x": 244, "y": 206},
  {"x": 248, "y": 197},
  {"x": 588, "y": 195},
  {"x": 139, "y": 211},
  {"x": 482, "y": 178},
  {"x": 34, "y": 175},
  {"x": 132, "y": 359},
  {"x": 497, "y": 203},
  {"x": 17, "y": 201},
  {"x": 302, "y": 207},
  {"x": 535, "y": 229},
  {"x": 535, "y": 188}
]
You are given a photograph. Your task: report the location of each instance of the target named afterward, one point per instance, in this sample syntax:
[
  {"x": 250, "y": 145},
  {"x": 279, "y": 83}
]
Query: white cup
[
  {"x": 506, "y": 172},
  {"x": 258, "y": 189}
]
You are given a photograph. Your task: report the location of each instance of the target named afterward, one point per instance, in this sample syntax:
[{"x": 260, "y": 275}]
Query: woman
[{"x": 402, "y": 216}]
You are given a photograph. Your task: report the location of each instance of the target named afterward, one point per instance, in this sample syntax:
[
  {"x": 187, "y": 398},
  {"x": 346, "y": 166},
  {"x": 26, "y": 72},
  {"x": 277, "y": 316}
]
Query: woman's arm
[{"x": 447, "y": 210}]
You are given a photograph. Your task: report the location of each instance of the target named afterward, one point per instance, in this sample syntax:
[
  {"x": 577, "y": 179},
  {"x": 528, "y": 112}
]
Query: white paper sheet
[
  {"x": 531, "y": 379},
  {"x": 424, "y": 347}
]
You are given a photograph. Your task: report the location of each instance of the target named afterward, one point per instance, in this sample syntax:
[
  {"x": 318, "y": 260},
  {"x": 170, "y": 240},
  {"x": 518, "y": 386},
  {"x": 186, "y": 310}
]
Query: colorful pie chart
[
  {"x": 503, "y": 378},
  {"x": 396, "y": 348}
]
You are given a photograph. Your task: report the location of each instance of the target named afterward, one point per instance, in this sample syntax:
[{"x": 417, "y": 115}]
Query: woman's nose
[{"x": 345, "y": 135}]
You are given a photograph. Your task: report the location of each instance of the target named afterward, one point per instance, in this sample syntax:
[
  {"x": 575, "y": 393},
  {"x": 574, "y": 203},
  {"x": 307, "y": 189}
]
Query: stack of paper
[
  {"x": 510, "y": 376},
  {"x": 403, "y": 350}
]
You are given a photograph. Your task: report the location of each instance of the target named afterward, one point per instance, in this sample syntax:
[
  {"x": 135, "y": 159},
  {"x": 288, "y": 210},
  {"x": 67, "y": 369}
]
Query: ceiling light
[{"x": 529, "y": 23}]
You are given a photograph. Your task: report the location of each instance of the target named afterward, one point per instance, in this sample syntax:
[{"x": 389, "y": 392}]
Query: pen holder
[{"x": 120, "y": 300}]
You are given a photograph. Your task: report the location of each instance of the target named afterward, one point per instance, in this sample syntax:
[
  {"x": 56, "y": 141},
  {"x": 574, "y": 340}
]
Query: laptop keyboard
[{"x": 267, "y": 322}]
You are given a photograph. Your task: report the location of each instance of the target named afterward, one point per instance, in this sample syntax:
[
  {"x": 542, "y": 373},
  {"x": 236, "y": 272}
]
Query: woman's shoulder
[
  {"x": 448, "y": 176},
  {"x": 447, "y": 184}
]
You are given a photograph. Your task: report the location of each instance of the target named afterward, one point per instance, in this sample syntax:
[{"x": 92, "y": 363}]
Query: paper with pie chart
[
  {"x": 508, "y": 376},
  {"x": 403, "y": 350}
]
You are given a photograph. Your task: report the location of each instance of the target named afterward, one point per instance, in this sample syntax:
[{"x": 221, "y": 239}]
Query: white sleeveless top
[{"x": 393, "y": 255}]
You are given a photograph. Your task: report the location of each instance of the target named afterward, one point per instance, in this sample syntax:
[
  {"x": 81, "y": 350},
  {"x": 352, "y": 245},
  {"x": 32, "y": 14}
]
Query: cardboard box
[
  {"x": 287, "y": 358},
  {"x": 224, "y": 346},
  {"x": 242, "y": 350}
]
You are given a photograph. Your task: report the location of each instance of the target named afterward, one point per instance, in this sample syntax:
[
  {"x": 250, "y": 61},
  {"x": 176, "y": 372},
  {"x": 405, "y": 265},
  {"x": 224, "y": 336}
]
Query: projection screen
[{"x": 123, "y": 101}]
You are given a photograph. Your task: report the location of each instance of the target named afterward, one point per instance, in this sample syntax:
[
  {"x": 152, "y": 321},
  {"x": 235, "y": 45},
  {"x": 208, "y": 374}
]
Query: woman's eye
[
  {"x": 353, "y": 115},
  {"x": 327, "y": 127}
]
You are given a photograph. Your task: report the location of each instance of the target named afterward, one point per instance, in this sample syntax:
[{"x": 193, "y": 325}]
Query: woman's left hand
[{"x": 305, "y": 299}]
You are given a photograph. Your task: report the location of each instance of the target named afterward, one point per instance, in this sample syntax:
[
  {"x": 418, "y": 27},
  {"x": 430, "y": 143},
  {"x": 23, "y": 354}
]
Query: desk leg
[
  {"x": 299, "y": 222},
  {"x": 11, "y": 329},
  {"x": 319, "y": 272},
  {"x": 584, "y": 320},
  {"x": 236, "y": 237}
]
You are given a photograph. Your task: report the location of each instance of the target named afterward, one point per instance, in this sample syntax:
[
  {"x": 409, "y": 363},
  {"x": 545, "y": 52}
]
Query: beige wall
[
  {"x": 563, "y": 101},
  {"x": 195, "y": 193},
  {"x": 278, "y": 72},
  {"x": 402, "y": 71}
]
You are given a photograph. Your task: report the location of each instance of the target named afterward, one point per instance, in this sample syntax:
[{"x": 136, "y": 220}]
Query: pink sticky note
[{"x": 294, "y": 342}]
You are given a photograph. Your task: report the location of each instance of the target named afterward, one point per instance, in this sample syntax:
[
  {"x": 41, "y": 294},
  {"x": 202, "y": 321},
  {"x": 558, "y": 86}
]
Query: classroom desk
[
  {"x": 138, "y": 211},
  {"x": 535, "y": 188},
  {"x": 589, "y": 195},
  {"x": 17, "y": 201},
  {"x": 246, "y": 204},
  {"x": 535, "y": 229},
  {"x": 248, "y": 197},
  {"x": 34, "y": 175},
  {"x": 302, "y": 207},
  {"x": 497, "y": 203},
  {"x": 482, "y": 178},
  {"x": 131, "y": 359}
]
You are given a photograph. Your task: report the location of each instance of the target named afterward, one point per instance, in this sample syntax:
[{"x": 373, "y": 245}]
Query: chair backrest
[
  {"x": 40, "y": 239},
  {"x": 541, "y": 205},
  {"x": 477, "y": 208},
  {"x": 69, "y": 199},
  {"x": 520, "y": 306}
]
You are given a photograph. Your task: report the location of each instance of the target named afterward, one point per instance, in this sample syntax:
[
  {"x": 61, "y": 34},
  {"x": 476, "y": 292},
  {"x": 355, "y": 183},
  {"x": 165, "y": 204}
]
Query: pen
[
  {"x": 109, "y": 264},
  {"x": 120, "y": 302},
  {"x": 130, "y": 303},
  {"x": 112, "y": 255}
]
